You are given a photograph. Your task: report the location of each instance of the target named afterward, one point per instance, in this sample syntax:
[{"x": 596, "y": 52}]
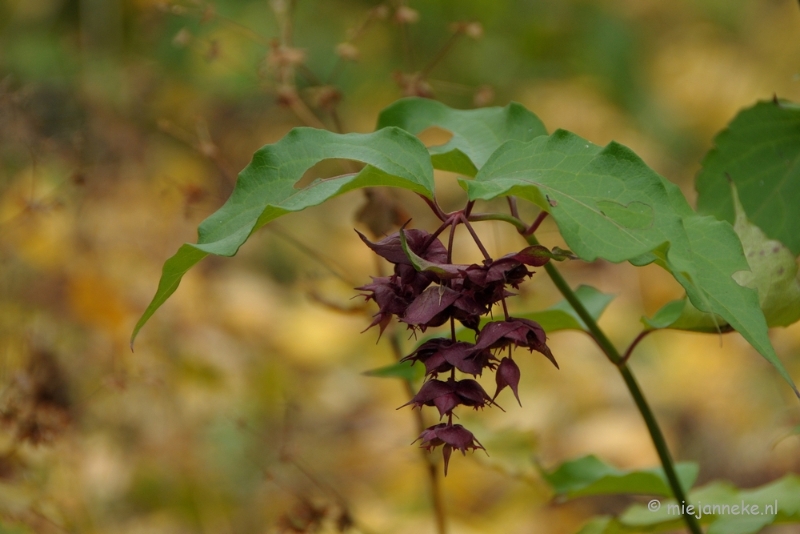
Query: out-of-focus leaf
[
  {"x": 591, "y": 476},
  {"x": 666, "y": 513},
  {"x": 403, "y": 370},
  {"x": 609, "y": 204},
  {"x": 773, "y": 270},
  {"x": 759, "y": 151},
  {"x": 720, "y": 505},
  {"x": 265, "y": 190},
  {"x": 476, "y": 132},
  {"x": 682, "y": 315},
  {"x": 602, "y": 525},
  {"x": 561, "y": 316},
  {"x": 511, "y": 450}
]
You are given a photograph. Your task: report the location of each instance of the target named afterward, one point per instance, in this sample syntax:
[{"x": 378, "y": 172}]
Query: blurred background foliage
[{"x": 123, "y": 124}]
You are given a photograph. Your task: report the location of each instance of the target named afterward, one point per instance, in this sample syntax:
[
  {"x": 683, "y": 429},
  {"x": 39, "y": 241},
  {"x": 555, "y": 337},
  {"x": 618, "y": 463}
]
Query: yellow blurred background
[{"x": 244, "y": 408}]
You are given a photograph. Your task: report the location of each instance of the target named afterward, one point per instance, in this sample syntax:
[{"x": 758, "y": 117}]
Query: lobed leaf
[
  {"x": 265, "y": 190},
  {"x": 608, "y": 204},
  {"x": 477, "y": 133}
]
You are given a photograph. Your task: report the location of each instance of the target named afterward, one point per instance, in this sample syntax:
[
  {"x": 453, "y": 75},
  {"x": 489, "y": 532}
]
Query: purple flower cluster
[{"x": 427, "y": 290}]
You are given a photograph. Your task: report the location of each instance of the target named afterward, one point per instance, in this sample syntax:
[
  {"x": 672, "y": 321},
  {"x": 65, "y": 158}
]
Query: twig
[
  {"x": 536, "y": 223},
  {"x": 632, "y": 346}
]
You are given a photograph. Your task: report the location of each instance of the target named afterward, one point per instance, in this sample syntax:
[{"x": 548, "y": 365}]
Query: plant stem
[
  {"x": 633, "y": 387},
  {"x": 633, "y": 344},
  {"x": 536, "y": 223},
  {"x": 521, "y": 226},
  {"x": 476, "y": 239}
]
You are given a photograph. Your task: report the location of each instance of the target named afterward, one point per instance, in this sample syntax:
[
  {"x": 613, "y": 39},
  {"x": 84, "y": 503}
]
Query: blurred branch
[
  {"x": 443, "y": 51},
  {"x": 326, "y": 262},
  {"x": 201, "y": 143},
  {"x": 434, "y": 477},
  {"x": 633, "y": 344}
]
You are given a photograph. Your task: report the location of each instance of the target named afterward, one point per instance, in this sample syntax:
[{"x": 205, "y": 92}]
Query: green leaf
[
  {"x": 609, "y": 204},
  {"x": 591, "y": 476},
  {"x": 561, "y": 316},
  {"x": 720, "y": 505},
  {"x": 682, "y": 315},
  {"x": 403, "y": 370},
  {"x": 760, "y": 152},
  {"x": 601, "y": 525},
  {"x": 265, "y": 190},
  {"x": 511, "y": 449},
  {"x": 773, "y": 271},
  {"x": 476, "y": 132}
]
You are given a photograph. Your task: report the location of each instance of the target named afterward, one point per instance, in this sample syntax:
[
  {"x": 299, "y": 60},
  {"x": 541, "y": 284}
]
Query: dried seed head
[
  {"x": 348, "y": 51},
  {"x": 406, "y": 15}
]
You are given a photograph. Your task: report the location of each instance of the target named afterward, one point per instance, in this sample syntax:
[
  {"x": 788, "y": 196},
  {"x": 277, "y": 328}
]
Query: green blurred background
[{"x": 244, "y": 409}]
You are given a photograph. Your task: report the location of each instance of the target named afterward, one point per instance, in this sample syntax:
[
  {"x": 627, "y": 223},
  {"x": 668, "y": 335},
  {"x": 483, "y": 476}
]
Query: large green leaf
[
  {"x": 476, "y": 132},
  {"x": 608, "y": 204},
  {"x": 760, "y": 152},
  {"x": 265, "y": 190},
  {"x": 591, "y": 476}
]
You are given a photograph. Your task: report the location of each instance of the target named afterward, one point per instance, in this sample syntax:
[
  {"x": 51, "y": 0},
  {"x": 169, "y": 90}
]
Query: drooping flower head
[{"x": 426, "y": 291}]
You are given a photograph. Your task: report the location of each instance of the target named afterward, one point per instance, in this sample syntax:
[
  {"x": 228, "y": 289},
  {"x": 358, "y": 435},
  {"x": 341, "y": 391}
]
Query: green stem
[
  {"x": 633, "y": 387},
  {"x": 521, "y": 226}
]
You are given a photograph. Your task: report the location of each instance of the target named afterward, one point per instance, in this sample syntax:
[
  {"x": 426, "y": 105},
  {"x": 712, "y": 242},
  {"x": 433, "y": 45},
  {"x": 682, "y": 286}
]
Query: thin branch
[
  {"x": 450, "y": 242},
  {"x": 433, "y": 205},
  {"x": 535, "y": 226},
  {"x": 520, "y": 226},
  {"x": 632, "y": 346},
  {"x": 468, "y": 209},
  {"x": 440, "y": 54},
  {"x": 512, "y": 205},
  {"x": 476, "y": 239},
  {"x": 323, "y": 260}
]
